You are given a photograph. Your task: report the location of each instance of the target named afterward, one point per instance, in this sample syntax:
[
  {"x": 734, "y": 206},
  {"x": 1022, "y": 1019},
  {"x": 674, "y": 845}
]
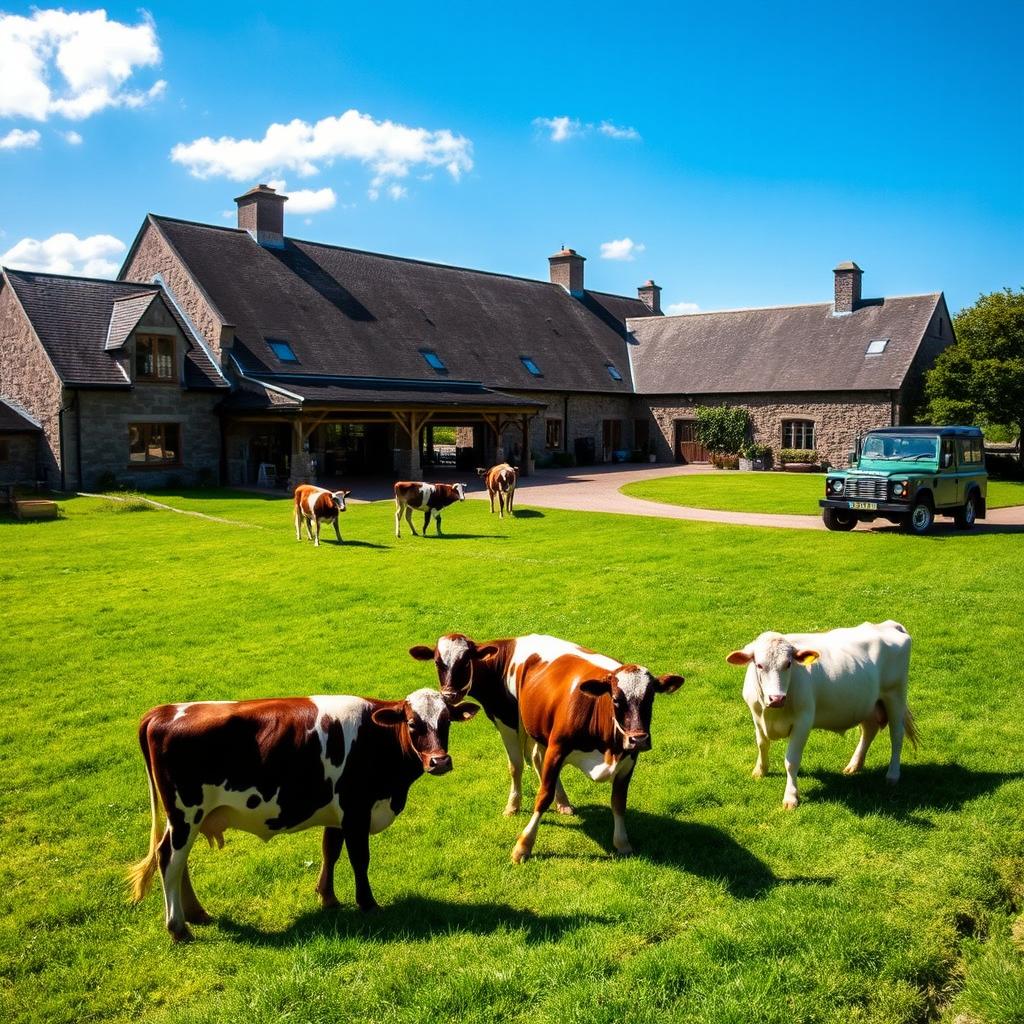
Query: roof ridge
[
  {"x": 80, "y": 277},
  {"x": 865, "y": 303}
]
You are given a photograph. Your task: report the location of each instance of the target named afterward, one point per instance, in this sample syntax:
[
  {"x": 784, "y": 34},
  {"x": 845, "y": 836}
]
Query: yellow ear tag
[{"x": 809, "y": 659}]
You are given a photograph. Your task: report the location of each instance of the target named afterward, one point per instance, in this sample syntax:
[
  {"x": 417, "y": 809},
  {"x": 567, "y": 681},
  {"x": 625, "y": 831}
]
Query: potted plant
[
  {"x": 799, "y": 460},
  {"x": 755, "y": 456}
]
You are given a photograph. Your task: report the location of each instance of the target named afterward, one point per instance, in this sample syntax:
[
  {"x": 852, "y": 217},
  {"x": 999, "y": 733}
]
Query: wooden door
[
  {"x": 688, "y": 448},
  {"x": 611, "y": 437}
]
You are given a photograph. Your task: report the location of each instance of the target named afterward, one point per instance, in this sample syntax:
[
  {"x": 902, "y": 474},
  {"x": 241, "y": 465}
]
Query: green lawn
[
  {"x": 792, "y": 493},
  {"x": 865, "y": 904}
]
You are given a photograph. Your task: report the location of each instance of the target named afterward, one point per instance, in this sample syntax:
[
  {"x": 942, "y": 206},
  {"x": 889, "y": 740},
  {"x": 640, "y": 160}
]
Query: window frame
[
  {"x": 156, "y": 377},
  {"x": 883, "y": 342},
  {"x": 790, "y": 436},
  {"x": 145, "y": 433},
  {"x": 971, "y": 452},
  {"x": 292, "y": 357},
  {"x": 530, "y": 364},
  {"x": 555, "y": 422}
]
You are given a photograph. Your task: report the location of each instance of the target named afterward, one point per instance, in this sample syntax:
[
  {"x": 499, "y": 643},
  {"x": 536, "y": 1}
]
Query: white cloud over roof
[{"x": 66, "y": 253}]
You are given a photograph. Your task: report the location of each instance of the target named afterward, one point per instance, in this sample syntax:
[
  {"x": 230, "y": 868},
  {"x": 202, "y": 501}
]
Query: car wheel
[
  {"x": 920, "y": 517},
  {"x": 838, "y": 519},
  {"x": 966, "y": 517}
]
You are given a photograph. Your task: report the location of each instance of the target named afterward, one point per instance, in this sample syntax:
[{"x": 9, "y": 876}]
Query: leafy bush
[
  {"x": 721, "y": 428},
  {"x": 798, "y": 455},
  {"x": 721, "y": 461},
  {"x": 752, "y": 451}
]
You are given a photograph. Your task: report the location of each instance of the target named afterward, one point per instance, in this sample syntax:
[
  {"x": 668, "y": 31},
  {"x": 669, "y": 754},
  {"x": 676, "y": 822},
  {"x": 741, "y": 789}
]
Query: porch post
[
  {"x": 406, "y": 462},
  {"x": 524, "y": 461},
  {"x": 300, "y": 471}
]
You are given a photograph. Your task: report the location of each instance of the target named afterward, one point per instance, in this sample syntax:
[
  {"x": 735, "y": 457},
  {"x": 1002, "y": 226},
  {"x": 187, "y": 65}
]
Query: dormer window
[
  {"x": 154, "y": 357},
  {"x": 876, "y": 347},
  {"x": 433, "y": 360},
  {"x": 531, "y": 366},
  {"x": 613, "y": 371},
  {"x": 283, "y": 350}
]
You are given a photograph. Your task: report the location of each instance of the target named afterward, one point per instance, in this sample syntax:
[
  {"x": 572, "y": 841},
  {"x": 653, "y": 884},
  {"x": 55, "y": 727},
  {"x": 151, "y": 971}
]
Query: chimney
[
  {"x": 567, "y": 270},
  {"x": 261, "y": 213},
  {"x": 650, "y": 295},
  {"x": 848, "y": 277}
]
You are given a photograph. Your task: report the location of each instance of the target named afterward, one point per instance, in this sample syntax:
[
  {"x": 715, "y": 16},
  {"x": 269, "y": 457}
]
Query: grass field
[
  {"x": 865, "y": 904},
  {"x": 790, "y": 493}
]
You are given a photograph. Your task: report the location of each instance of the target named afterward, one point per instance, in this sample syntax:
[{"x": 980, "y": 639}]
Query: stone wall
[
  {"x": 19, "y": 458},
  {"x": 27, "y": 376},
  {"x": 838, "y": 418}
]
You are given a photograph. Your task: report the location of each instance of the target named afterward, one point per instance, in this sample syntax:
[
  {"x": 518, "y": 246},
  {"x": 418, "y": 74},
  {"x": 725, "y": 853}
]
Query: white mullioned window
[{"x": 798, "y": 434}]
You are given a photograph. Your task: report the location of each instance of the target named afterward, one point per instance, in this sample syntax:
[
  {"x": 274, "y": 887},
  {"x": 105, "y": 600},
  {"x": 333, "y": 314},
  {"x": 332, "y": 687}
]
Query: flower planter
[
  {"x": 746, "y": 465},
  {"x": 800, "y": 467}
]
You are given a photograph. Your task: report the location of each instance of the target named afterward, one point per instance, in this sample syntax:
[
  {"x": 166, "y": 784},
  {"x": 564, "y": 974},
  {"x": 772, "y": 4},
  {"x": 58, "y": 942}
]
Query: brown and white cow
[
  {"x": 283, "y": 765},
  {"x": 431, "y": 498},
  {"x": 500, "y": 481},
  {"x": 315, "y": 505},
  {"x": 564, "y": 703}
]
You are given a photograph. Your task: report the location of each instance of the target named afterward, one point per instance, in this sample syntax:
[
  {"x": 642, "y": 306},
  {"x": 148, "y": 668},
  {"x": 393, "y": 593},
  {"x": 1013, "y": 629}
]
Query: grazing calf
[
  {"x": 283, "y": 765},
  {"x": 431, "y": 498},
  {"x": 836, "y": 680},
  {"x": 562, "y": 702},
  {"x": 315, "y": 505},
  {"x": 500, "y": 480}
]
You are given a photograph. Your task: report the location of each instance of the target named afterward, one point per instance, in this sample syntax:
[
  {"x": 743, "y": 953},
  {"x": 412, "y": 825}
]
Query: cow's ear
[
  {"x": 596, "y": 687},
  {"x": 346, "y": 493},
  {"x": 394, "y": 715},
  {"x": 463, "y": 712},
  {"x": 422, "y": 653},
  {"x": 484, "y": 652},
  {"x": 806, "y": 657},
  {"x": 743, "y": 657},
  {"x": 669, "y": 683}
]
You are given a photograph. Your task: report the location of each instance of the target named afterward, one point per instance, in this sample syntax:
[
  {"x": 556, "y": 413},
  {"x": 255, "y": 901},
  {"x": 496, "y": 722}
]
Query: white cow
[{"x": 836, "y": 680}]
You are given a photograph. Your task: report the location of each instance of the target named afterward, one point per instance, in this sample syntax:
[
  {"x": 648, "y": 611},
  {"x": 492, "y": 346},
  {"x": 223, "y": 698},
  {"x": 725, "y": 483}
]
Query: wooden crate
[{"x": 35, "y": 508}]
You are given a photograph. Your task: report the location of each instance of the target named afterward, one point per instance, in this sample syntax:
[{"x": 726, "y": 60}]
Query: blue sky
[{"x": 767, "y": 142}]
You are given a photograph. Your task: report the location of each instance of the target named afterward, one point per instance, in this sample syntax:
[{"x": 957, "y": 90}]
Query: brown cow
[
  {"x": 283, "y": 765},
  {"x": 313, "y": 505},
  {"x": 569, "y": 704},
  {"x": 431, "y": 498},
  {"x": 500, "y": 480}
]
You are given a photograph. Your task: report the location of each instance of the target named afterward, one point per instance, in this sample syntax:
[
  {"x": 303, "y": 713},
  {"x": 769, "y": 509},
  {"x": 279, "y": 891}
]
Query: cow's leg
[
  {"x": 298, "y": 523},
  {"x": 553, "y": 760},
  {"x": 309, "y": 528},
  {"x": 490, "y": 494},
  {"x": 408, "y": 519},
  {"x": 194, "y": 912},
  {"x": 620, "y": 791},
  {"x": 794, "y": 751},
  {"x": 437, "y": 523},
  {"x": 511, "y": 495},
  {"x": 763, "y": 746},
  {"x": 316, "y": 531},
  {"x": 514, "y": 750},
  {"x": 562, "y": 804},
  {"x": 337, "y": 529},
  {"x": 398, "y": 519},
  {"x": 357, "y": 839},
  {"x": 501, "y": 504},
  {"x": 868, "y": 731},
  {"x": 896, "y": 709},
  {"x": 333, "y": 840},
  {"x": 173, "y": 854}
]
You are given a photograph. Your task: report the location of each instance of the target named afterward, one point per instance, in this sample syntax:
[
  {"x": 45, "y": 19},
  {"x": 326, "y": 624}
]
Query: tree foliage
[
  {"x": 980, "y": 379},
  {"x": 722, "y": 429}
]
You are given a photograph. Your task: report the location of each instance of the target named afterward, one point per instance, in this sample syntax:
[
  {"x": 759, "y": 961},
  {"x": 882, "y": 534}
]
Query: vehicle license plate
[{"x": 864, "y": 505}]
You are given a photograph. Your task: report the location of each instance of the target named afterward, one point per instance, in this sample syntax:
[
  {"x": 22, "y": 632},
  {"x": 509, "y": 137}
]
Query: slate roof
[
  {"x": 124, "y": 317},
  {"x": 72, "y": 318},
  {"x": 789, "y": 348},
  {"x": 15, "y": 419},
  {"x": 351, "y": 313}
]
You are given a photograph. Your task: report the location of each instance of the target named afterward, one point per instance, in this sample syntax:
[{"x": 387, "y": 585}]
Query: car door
[{"x": 947, "y": 488}]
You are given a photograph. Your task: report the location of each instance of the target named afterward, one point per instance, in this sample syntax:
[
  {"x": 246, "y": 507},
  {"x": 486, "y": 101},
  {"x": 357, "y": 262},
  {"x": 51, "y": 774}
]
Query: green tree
[
  {"x": 722, "y": 429},
  {"x": 980, "y": 379}
]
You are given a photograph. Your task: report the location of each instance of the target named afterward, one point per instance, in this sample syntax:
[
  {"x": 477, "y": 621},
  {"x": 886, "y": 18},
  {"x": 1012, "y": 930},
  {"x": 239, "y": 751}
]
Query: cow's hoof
[
  {"x": 328, "y": 902},
  {"x": 370, "y": 906},
  {"x": 757, "y": 773},
  {"x": 182, "y": 934},
  {"x": 624, "y": 851},
  {"x": 565, "y": 808},
  {"x": 520, "y": 853},
  {"x": 199, "y": 916},
  {"x": 791, "y": 803},
  {"x": 892, "y": 779},
  {"x": 511, "y": 810},
  {"x": 851, "y": 769}
]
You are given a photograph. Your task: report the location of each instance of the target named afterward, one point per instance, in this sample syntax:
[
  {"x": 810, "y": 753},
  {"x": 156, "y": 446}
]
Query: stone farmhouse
[{"x": 242, "y": 355}]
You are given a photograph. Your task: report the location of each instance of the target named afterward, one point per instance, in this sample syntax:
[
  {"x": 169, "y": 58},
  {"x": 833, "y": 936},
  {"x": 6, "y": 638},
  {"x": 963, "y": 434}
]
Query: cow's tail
[
  {"x": 140, "y": 876},
  {"x": 910, "y": 729}
]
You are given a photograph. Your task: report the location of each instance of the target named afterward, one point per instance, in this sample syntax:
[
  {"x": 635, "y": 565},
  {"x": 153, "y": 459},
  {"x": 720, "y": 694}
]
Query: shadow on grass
[
  {"x": 691, "y": 847},
  {"x": 527, "y": 513},
  {"x": 922, "y": 787},
  {"x": 464, "y": 536},
  {"x": 412, "y": 918}
]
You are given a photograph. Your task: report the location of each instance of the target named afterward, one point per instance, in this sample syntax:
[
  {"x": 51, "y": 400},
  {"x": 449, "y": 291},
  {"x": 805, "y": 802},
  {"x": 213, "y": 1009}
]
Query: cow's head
[
  {"x": 454, "y": 657},
  {"x": 632, "y": 689},
  {"x": 482, "y": 472},
  {"x": 338, "y": 499},
  {"x": 773, "y": 657},
  {"x": 460, "y": 491},
  {"x": 423, "y": 718}
]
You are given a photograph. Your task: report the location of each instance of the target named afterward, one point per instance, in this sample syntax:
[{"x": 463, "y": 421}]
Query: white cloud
[
  {"x": 560, "y": 128},
  {"x": 72, "y": 138},
  {"x": 390, "y": 150},
  {"x": 310, "y": 200},
  {"x": 677, "y": 308},
  {"x": 614, "y": 131},
  {"x": 398, "y": 191},
  {"x": 621, "y": 249},
  {"x": 65, "y": 253},
  {"x": 17, "y": 139},
  {"x": 73, "y": 63}
]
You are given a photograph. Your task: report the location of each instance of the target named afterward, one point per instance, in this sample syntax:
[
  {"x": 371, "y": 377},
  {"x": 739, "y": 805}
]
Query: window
[
  {"x": 531, "y": 366},
  {"x": 154, "y": 357},
  {"x": 798, "y": 434},
  {"x": 553, "y": 434},
  {"x": 877, "y": 347},
  {"x": 154, "y": 444},
  {"x": 971, "y": 453},
  {"x": 283, "y": 350},
  {"x": 434, "y": 361},
  {"x": 613, "y": 371}
]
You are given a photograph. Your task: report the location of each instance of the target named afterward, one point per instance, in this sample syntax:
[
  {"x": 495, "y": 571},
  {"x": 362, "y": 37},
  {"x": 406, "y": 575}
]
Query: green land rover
[{"x": 909, "y": 475}]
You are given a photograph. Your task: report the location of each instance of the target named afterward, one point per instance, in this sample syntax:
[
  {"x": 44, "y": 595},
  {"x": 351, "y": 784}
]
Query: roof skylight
[
  {"x": 531, "y": 366},
  {"x": 283, "y": 350},
  {"x": 876, "y": 347},
  {"x": 613, "y": 371},
  {"x": 434, "y": 361}
]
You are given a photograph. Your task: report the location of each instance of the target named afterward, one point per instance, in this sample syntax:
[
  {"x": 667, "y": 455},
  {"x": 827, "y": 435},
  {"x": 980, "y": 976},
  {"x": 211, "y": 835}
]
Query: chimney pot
[
  {"x": 649, "y": 294},
  {"x": 566, "y": 268},
  {"x": 261, "y": 213},
  {"x": 847, "y": 287}
]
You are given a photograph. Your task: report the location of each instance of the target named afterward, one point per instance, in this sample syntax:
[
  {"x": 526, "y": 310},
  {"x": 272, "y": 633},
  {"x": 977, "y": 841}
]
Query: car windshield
[{"x": 899, "y": 448}]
